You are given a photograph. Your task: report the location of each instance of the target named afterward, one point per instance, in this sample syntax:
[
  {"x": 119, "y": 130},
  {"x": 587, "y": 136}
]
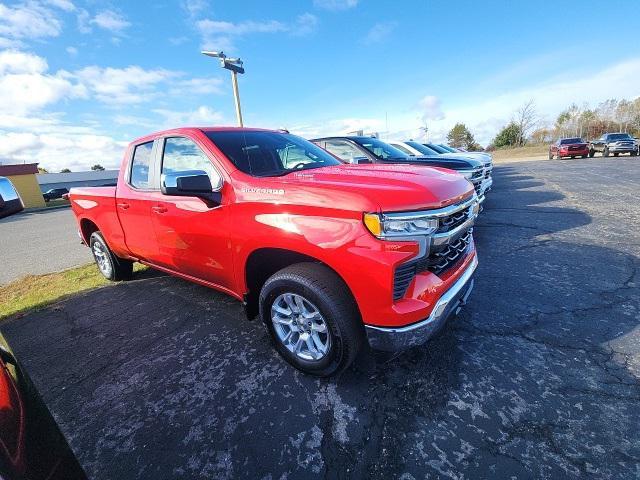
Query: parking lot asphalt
[
  {"x": 539, "y": 376},
  {"x": 39, "y": 242}
]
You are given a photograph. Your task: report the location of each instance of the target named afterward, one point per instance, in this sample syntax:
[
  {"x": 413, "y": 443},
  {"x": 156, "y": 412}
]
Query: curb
[{"x": 45, "y": 209}]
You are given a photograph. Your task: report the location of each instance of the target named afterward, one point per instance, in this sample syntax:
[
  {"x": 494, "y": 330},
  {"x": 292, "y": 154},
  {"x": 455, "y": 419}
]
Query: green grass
[
  {"x": 34, "y": 292},
  {"x": 528, "y": 151}
]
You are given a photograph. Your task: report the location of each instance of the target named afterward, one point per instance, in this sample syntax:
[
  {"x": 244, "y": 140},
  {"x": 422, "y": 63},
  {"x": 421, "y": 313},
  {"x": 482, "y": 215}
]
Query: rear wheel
[
  {"x": 615, "y": 154},
  {"x": 312, "y": 318},
  {"x": 110, "y": 266}
]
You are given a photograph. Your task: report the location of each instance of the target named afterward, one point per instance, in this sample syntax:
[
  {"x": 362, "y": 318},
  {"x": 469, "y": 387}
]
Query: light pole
[{"x": 235, "y": 66}]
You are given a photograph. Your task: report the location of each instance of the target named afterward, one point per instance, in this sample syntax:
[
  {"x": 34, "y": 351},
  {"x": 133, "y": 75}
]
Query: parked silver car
[{"x": 10, "y": 201}]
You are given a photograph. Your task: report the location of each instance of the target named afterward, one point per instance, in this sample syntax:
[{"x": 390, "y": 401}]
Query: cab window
[
  {"x": 343, "y": 150},
  {"x": 182, "y": 154},
  {"x": 140, "y": 165}
]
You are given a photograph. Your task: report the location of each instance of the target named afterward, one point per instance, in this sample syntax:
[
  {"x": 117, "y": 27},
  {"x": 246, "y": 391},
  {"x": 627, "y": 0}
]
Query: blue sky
[{"x": 81, "y": 78}]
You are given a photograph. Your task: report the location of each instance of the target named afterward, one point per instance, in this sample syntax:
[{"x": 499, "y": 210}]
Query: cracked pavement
[{"x": 538, "y": 377}]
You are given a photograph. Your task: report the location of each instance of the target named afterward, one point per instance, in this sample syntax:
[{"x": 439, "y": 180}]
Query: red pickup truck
[{"x": 327, "y": 254}]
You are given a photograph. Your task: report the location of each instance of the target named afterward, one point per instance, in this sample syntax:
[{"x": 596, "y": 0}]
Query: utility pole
[{"x": 235, "y": 66}]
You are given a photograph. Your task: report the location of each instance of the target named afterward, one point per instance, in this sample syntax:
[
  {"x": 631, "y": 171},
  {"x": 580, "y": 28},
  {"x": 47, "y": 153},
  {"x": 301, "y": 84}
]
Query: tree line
[{"x": 526, "y": 126}]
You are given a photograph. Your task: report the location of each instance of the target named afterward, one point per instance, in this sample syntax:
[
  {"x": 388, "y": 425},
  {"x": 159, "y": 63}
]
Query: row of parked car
[
  {"x": 608, "y": 144},
  {"x": 475, "y": 166}
]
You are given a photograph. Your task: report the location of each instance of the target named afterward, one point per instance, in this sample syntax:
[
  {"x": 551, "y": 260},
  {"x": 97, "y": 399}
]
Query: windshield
[
  {"x": 437, "y": 148},
  {"x": 423, "y": 149},
  {"x": 619, "y": 136},
  {"x": 380, "y": 149},
  {"x": 270, "y": 154},
  {"x": 569, "y": 141},
  {"x": 448, "y": 148}
]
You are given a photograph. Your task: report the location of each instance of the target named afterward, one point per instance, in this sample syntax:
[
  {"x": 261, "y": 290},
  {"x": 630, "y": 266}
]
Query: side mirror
[{"x": 192, "y": 183}]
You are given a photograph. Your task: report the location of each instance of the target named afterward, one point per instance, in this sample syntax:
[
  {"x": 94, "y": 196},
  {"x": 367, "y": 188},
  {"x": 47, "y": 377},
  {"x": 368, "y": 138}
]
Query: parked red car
[
  {"x": 327, "y": 253},
  {"x": 569, "y": 147}
]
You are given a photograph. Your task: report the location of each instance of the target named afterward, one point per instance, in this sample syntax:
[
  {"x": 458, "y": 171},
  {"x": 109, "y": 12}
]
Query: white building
[{"x": 94, "y": 178}]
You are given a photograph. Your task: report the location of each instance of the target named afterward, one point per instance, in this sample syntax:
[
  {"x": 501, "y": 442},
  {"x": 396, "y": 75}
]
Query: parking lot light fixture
[{"x": 235, "y": 66}]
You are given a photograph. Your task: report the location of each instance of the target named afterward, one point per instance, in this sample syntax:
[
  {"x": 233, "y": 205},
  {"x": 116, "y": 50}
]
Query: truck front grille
[{"x": 437, "y": 262}]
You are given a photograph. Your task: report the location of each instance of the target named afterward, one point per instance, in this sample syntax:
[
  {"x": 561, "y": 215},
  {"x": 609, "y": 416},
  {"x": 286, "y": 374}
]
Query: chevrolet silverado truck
[
  {"x": 614, "y": 143},
  {"x": 363, "y": 149},
  {"x": 327, "y": 254}
]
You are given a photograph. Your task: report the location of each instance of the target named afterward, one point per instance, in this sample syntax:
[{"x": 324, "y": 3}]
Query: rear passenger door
[
  {"x": 192, "y": 237},
  {"x": 134, "y": 199}
]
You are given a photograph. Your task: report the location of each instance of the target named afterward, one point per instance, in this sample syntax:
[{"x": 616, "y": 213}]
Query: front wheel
[
  {"x": 605, "y": 152},
  {"x": 591, "y": 153},
  {"x": 312, "y": 318},
  {"x": 111, "y": 266}
]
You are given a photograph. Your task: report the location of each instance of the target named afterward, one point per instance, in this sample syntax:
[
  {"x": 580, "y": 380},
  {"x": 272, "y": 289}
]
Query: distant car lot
[
  {"x": 538, "y": 377},
  {"x": 39, "y": 242}
]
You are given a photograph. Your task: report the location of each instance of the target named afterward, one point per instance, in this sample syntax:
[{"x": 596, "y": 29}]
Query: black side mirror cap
[{"x": 191, "y": 183}]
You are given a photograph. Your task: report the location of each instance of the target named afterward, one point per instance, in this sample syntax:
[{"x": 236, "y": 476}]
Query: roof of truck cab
[{"x": 186, "y": 130}]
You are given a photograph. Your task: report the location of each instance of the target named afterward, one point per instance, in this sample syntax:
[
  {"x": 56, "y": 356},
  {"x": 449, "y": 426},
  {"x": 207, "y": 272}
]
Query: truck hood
[{"x": 390, "y": 187}]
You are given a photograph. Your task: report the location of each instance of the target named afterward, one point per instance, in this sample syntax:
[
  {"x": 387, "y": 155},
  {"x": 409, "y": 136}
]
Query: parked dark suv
[
  {"x": 54, "y": 193},
  {"x": 360, "y": 149}
]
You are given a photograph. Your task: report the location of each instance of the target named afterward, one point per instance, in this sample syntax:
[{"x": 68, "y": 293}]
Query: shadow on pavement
[{"x": 160, "y": 378}]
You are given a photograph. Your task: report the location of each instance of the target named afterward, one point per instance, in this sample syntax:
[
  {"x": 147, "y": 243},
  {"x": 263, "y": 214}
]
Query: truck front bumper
[{"x": 400, "y": 338}]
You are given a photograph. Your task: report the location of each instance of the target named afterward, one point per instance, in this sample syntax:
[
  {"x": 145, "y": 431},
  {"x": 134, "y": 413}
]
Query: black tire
[
  {"x": 583, "y": 156},
  {"x": 327, "y": 291},
  {"x": 116, "y": 268},
  {"x": 615, "y": 154},
  {"x": 573, "y": 156},
  {"x": 605, "y": 152},
  {"x": 591, "y": 153},
  {"x": 550, "y": 156}
]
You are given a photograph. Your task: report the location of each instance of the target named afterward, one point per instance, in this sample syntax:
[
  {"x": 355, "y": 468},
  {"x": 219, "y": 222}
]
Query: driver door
[{"x": 192, "y": 237}]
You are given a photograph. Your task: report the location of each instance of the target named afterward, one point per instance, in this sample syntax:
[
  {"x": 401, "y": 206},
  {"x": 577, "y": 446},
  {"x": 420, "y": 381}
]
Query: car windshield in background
[
  {"x": 619, "y": 136},
  {"x": 437, "y": 148},
  {"x": 270, "y": 154},
  {"x": 381, "y": 149},
  {"x": 570, "y": 141},
  {"x": 423, "y": 149}
]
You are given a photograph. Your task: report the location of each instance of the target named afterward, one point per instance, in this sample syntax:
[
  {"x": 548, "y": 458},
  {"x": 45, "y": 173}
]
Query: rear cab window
[{"x": 141, "y": 166}]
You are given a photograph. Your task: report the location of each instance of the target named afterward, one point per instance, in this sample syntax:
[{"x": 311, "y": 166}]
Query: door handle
[
  {"x": 159, "y": 209},
  {"x": 123, "y": 205}
]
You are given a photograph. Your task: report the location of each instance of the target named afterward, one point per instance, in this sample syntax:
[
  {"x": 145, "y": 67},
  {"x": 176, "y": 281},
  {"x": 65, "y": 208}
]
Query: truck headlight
[{"x": 400, "y": 225}]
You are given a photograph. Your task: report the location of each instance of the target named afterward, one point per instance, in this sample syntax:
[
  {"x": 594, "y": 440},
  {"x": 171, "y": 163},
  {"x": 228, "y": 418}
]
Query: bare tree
[{"x": 526, "y": 118}]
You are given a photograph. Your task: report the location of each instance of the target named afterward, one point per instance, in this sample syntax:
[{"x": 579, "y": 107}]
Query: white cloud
[
  {"x": 65, "y": 5},
  {"x": 84, "y": 21},
  {"x": 197, "y": 86},
  {"x": 201, "y": 116},
  {"x": 335, "y": 5},
  {"x": 73, "y": 51},
  {"x": 379, "y": 32},
  {"x": 486, "y": 115},
  {"x": 305, "y": 24},
  {"x": 25, "y": 22},
  {"x": 220, "y": 35},
  {"x": 110, "y": 20},
  {"x": 25, "y": 86},
  {"x": 431, "y": 109},
  {"x": 340, "y": 126},
  {"x": 130, "y": 85}
]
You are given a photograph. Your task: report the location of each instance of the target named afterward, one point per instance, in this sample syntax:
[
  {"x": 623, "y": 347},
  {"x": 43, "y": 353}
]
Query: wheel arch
[
  {"x": 264, "y": 262},
  {"x": 87, "y": 228}
]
